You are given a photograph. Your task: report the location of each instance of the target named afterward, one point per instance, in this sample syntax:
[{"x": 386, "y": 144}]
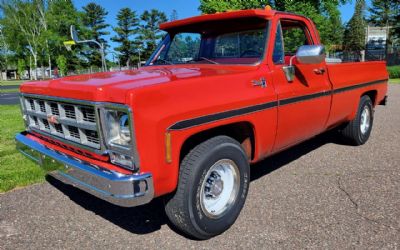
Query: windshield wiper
[
  {"x": 208, "y": 60},
  {"x": 165, "y": 61}
]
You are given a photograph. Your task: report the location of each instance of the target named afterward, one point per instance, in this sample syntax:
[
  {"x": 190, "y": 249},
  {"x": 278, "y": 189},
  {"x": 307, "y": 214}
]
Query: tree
[
  {"x": 62, "y": 65},
  {"x": 396, "y": 26},
  {"x": 4, "y": 52},
  {"x": 384, "y": 13},
  {"x": 324, "y": 13},
  {"x": 354, "y": 36},
  {"x": 61, "y": 14},
  {"x": 21, "y": 67},
  {"x": 127, "y": 27},
  {"x": 174, "y": 15},
  {"x": 149, "y": 31},
  {"x": 93, "y": 19},
  {"x": 212, "y": 6},
  {"x": 24, "y": 17}
]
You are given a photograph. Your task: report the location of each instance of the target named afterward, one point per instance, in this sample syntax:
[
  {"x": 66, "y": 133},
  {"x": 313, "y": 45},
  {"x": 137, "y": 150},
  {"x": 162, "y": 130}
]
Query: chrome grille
[
  {"x": 54, "y": 108},
  {"x": 31, "y": 104},
  {"x": 42, "y": 107},
  {"x": 69, "y": 111},
  {"x": 88, "y": 114},
  {"x": 70, "y": 121}
]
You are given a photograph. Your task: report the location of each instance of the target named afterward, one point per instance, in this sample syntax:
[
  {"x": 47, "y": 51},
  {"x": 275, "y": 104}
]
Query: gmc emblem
[{"x": 53, "y": 119}]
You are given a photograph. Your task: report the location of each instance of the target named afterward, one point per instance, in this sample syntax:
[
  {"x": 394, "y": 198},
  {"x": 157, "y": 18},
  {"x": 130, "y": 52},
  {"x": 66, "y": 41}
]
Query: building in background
[{"x": 376, "y": 38}]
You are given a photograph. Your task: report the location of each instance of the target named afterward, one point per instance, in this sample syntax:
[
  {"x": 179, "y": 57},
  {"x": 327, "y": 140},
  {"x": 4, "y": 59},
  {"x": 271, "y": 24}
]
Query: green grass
[
  {"x": 8, "y": 83},
  {"x": 394, "y": 71},
  {"x": 9, "y": 91},
  {"x": 394, "y": 80},
  {"x": 15, "y": 169}
]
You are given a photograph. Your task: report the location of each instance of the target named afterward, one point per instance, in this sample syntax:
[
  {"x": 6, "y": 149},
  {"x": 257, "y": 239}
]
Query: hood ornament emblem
[{"x": 53, "y": 119}]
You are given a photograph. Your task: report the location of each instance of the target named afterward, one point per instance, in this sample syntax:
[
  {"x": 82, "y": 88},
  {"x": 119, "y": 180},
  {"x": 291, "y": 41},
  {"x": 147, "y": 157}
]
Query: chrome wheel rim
[
  {"x": 220, "y": 188},
  {"x": 365, "y": 120}
]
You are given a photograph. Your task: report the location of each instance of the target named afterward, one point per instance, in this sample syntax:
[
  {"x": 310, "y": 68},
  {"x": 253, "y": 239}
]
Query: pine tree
[
  {"x": 150, "y": 33},
  {"x": 385, "y": 13},
  {"x": 396, "y": 26},
  {"x": 127, "y": 26},
  {"x": 174, "y": 15},
  {"x": 354, "y": 37},
  {"x": 94, "y": 21},
  {"x": 382, "y": 12}
]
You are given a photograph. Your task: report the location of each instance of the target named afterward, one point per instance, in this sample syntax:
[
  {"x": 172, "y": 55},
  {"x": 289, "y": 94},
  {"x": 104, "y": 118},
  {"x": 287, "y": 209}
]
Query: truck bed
[{"x": 349, "y": 82}]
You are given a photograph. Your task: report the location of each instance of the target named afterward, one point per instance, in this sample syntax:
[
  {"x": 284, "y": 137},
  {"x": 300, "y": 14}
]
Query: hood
[{"x": 113, "y": 86}]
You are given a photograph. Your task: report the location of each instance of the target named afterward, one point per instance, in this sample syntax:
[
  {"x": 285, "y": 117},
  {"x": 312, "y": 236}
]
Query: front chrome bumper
[{"x": 116, "y": 188}]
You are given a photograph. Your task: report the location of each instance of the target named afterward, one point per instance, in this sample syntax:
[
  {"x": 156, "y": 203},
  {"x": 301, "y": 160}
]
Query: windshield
[{"x": 211, "y": 46}]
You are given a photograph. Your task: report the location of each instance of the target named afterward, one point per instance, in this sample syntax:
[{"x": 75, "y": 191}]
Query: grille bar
[{"x": 70, "y": 121}]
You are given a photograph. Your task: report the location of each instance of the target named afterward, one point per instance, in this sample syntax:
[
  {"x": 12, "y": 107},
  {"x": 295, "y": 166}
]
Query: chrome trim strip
[{"x": 117, "y": 188}]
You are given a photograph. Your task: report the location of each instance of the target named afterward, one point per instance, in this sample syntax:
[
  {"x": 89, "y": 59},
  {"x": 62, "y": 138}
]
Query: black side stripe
[
  {"x": 219, "y": 116},
  {"x": 259, "y": 107},
  {"x": 344, "y": 89},
  {"x": 304, "y": 98}
]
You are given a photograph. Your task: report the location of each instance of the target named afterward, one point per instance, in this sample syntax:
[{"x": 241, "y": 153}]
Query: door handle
[
  {"x": 319, "y": 71},
  {"x": 260, "y": 83}
]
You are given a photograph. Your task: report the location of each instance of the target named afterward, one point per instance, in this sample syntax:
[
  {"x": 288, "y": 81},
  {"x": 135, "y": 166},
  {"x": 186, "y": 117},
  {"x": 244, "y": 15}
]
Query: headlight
[
  {"x": 118, "y": 137},
  {"x": 118, "y": 128}
]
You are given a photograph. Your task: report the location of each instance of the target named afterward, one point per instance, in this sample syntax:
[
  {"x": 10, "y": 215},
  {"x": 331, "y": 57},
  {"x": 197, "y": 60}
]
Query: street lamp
[
  {"x": 75, "y": 38},
  {"x": 117, "y": 56}
]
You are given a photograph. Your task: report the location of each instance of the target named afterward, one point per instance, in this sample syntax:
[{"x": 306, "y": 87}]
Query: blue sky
[{"x": 185, "y": 8}]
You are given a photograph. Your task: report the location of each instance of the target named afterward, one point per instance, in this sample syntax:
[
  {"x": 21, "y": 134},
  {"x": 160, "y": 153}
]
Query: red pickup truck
[{"x": 221, "y": 92}]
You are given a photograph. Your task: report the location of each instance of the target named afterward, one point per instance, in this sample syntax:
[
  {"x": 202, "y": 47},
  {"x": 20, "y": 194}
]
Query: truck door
[{"x": 304, "y": 103}]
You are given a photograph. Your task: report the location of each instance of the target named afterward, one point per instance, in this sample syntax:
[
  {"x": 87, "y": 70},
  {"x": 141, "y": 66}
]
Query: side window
[
  {"x": 294, "y": 35},
  {"x": 278, "y": 56}
]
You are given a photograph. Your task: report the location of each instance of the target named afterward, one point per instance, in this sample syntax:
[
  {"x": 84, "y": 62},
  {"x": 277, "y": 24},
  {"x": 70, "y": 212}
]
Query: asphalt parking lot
[
  {"x": 9, "y": 98},
  {"x": 320, "y": 194}
]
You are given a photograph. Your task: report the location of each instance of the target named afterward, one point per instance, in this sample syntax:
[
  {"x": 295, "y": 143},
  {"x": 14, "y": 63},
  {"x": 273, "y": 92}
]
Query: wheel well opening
[
  {"x": 372, "y": 94},
  {"x": 242, "y": 132}
]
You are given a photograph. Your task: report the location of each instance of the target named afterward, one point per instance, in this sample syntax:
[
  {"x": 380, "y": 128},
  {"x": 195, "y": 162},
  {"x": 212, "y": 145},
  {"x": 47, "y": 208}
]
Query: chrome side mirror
[
  {"x": 306, "y": 54},
  {"x": 311, "y": 54}
]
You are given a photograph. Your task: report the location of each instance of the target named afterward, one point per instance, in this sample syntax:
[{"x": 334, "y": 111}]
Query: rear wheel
[
  {"x": 357, "y": 132},
  {"x": 212, "y": 188}
]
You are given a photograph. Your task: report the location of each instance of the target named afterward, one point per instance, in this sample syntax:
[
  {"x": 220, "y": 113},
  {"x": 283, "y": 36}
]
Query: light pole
[
  {"x": 140, "y": 62},
  {"x": 74, "y": 36},
  {"x": 119, "y": 61}
]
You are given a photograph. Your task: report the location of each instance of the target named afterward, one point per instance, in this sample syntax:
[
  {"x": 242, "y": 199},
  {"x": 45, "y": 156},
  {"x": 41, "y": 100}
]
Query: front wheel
[
  {"x": 357, "y": 131},
  {"x": 212, "y": 188}
]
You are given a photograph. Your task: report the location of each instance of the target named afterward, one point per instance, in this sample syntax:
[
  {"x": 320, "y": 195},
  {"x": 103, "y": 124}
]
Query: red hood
[{"x": 113, "y": 86}]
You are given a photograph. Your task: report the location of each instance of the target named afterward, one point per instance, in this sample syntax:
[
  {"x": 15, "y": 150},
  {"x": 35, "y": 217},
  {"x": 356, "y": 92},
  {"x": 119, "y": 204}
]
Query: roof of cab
[{"x": 265, "y": 14}]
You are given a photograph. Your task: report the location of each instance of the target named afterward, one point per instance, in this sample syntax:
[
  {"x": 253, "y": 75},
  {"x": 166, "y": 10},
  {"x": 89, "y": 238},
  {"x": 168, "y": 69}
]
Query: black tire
[
  {"x": 185, "y": 209},
  {"x": 352, "y": 132}
]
